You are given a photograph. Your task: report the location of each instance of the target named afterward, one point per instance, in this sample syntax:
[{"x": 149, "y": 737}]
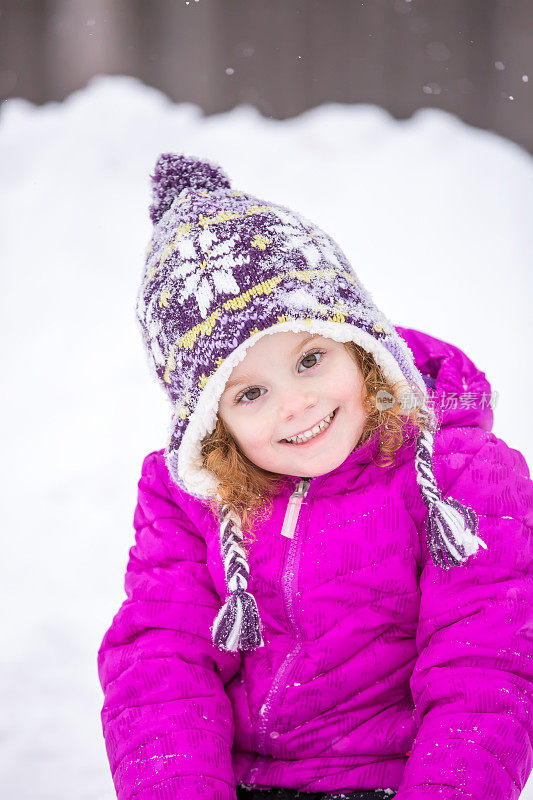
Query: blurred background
[
  {"x": 470, "y": 57},
  {"x": 403, "y": 129}
]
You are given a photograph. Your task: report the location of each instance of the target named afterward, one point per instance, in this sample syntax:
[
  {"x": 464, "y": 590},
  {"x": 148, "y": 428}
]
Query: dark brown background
[{"x": 465, "y": 56}]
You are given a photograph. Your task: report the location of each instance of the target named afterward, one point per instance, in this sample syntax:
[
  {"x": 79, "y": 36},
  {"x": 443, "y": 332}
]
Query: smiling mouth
[{"x": 317, "y": 432}]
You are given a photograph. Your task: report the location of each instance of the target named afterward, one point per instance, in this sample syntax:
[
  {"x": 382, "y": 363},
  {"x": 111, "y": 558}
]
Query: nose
[{"x": 296, "y": 403}]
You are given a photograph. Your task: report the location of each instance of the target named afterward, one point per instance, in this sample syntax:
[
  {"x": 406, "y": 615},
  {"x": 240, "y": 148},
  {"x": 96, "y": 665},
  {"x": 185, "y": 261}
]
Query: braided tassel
[
  {"x": 237, "y": 624},
  {"x": 451, "y": 527}
]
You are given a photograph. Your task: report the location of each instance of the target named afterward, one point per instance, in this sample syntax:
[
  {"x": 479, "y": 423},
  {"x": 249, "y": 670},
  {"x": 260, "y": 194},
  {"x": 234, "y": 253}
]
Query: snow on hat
[{"x": 223, "y": 269}]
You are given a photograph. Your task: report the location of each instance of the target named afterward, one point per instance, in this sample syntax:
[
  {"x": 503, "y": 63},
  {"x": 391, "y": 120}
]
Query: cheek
[
  {"x": 249, "y": 432},
  {"x": 257, "y": 434},
  {"x": 247, "y": 435},
  {"x": 349, "y": 389}
]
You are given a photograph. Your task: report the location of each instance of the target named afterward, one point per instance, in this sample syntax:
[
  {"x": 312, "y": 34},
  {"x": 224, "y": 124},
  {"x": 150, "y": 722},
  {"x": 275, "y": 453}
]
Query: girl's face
[{"x": 286, "y": 385}]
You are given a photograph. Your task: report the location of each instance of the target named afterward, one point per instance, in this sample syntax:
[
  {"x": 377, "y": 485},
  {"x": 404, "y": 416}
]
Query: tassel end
[
  {"x": 452, "y": 533},
  {"x": 237, "y": 625}
]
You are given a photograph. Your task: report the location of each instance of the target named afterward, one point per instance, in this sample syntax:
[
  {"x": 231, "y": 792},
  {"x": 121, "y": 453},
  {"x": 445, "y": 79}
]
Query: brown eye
[
  {"x": 312, "y": 357},
  {"x": 244, "y": 395}
]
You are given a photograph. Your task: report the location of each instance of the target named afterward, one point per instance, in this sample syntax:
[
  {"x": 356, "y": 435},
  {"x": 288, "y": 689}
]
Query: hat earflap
[
  {"x": 237, "y": 625},
  {"x": 451, "y": 526}
]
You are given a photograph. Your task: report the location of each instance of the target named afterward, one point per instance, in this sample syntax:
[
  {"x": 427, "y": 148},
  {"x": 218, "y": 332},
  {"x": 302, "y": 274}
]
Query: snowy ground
[{"x": 435, "y": 217}]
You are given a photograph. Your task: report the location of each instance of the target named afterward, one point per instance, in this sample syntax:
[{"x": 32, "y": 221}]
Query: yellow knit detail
[
  {"x": 301, "y": 274},
  {"x": 256, "y": 210},
  {"x": 203, "y": 328},
  {"x": 254, "y": 331},
  {"x": 381, "y": 328},
  {"x": 260, "y": 242},
  {"x": 202, "y": 380},
  {"x": 241, "y": 300},
  {"x": 308, "y": 274},
  {"x": 183, "y": 412},
  {"x": 221, "y": 216},
  {"x": 164, "y": 298},
  {"x": 171, "y": 364}
]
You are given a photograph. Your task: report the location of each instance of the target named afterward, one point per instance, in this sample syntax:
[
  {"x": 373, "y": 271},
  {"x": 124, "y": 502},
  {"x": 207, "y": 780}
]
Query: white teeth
[
  {"x": 323, "y": 424},
  {"x": 306, "y": 435}
]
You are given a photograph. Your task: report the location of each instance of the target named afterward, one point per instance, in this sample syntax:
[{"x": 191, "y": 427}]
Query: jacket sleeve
[
  {"x": 167, "y": 721},
  {"x": 472, "y": 683}
]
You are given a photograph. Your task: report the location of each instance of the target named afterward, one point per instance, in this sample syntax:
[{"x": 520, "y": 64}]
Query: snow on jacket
[{"x": 379, "y": 670}]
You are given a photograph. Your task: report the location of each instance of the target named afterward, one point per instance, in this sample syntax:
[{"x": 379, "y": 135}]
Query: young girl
[{"x": 330, "y": 589}]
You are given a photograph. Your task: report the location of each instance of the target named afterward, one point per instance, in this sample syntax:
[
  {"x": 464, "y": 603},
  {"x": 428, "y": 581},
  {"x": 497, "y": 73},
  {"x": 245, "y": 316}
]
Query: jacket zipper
[
  {"x": 293, "y": 508},
  {"x": 288, "y": 580}
]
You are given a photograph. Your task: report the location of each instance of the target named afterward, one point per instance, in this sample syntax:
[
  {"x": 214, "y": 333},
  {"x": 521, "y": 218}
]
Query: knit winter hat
[{"x": 223, "y": 269}]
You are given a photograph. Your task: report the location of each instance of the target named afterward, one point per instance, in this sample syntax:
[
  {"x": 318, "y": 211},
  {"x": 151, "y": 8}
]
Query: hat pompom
[{"x": 173, "y": 173}]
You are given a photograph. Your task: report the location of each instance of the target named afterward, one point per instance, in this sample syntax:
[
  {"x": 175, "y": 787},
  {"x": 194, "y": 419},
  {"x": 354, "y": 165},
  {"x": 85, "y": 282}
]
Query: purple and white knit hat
[{"x": 222, "y": 270}]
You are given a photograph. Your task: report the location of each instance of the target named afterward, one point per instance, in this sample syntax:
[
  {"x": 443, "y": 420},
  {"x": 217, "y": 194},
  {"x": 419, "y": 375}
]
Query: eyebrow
[
  {"x": 251, "y": 378},
  {"x": 305, "y": 342},
  {"x": 237, "y": 381}
]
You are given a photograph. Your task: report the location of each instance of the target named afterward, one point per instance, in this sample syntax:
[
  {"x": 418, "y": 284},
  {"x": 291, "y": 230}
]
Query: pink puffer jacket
[{"x": 379, "y": 670}]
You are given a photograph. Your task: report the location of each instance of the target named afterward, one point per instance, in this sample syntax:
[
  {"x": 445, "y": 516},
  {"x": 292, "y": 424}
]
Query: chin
[{"x": 323, "y": 468}]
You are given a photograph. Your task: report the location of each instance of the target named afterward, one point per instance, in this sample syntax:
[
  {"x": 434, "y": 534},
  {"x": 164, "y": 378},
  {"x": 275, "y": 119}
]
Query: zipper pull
[{"x": 293, "y": 508}]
